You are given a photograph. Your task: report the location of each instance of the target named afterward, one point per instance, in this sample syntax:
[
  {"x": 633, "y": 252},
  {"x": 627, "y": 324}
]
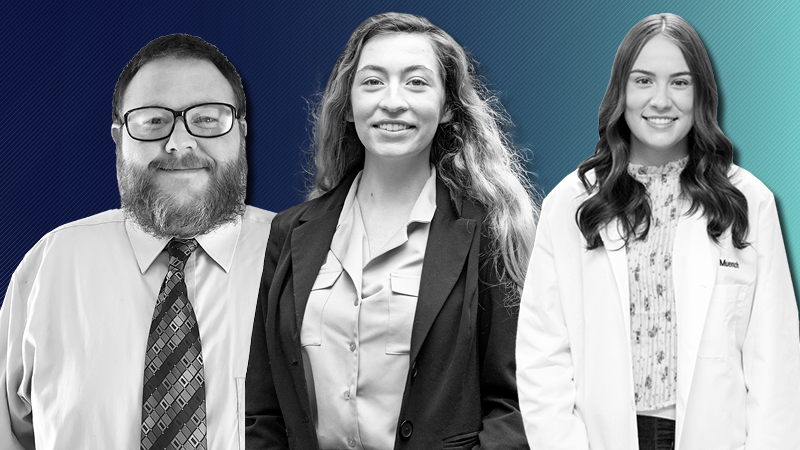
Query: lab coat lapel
[
  {"x": 614, "y": 246},
  {"x": 449, "y": 242},
  {"x": 695, "y": 260}
]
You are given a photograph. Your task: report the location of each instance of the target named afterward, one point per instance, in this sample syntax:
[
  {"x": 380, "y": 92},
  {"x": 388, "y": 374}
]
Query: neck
[
  {"x": 647, "y": 156},
  {"x": 390, "y": 183}
]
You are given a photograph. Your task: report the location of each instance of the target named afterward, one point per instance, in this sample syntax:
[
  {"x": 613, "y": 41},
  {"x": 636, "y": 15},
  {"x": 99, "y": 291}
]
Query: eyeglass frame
[{"x": 175, "y": 115}]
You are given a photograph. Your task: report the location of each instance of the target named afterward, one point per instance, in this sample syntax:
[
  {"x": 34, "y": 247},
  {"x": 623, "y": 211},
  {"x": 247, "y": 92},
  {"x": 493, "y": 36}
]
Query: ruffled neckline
[{"x": 671, "y": 168}]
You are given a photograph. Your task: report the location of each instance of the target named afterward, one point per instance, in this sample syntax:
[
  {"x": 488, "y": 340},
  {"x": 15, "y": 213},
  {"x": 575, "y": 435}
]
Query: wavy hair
[
  {"x": 704, "y": 181},
  {"x": 472, "y": 154}
]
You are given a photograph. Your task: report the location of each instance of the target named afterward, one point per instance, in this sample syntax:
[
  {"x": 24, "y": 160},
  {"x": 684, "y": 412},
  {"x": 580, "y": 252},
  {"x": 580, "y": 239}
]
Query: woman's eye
[
  {"x": 681, "y": 82},
  {"x": 372, "y": 82},
  {"x": 644, "y": 81},
  {"x": 417, "y": 82}
]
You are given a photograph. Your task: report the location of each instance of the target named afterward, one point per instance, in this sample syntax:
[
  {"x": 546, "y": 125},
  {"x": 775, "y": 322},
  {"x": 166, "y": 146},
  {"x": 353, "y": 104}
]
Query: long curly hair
[
  {"x": 471, "y": 152},
  {"x": 704, "y": 181}
]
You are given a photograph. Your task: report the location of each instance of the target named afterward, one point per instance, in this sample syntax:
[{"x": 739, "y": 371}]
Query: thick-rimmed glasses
[{"x": 206, "y": 120}]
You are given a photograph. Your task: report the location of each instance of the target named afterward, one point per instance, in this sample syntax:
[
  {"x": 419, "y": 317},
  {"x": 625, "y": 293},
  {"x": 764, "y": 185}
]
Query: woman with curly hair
[
  {"x": 661, "y": 313},
  {"x": 388, "y": 304}
]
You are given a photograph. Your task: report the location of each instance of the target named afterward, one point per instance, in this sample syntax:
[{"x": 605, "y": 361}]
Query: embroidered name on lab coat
[{"x": 732, "y": 264}]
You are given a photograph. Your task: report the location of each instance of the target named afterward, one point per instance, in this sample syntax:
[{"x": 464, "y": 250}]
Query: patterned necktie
[{"x": 174, "y": 394}]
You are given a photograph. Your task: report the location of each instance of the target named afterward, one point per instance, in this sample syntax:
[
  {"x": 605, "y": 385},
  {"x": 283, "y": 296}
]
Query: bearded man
[{"x": 131, "y": 328}]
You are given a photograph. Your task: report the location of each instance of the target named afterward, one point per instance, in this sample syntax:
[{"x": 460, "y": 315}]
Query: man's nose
[{"x": 180, "y": 139}]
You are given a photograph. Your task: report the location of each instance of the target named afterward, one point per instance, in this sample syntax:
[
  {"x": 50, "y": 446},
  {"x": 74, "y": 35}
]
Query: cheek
[
  {"x": 137, "y": 152},
  {"x": 685, "y": 102},
  {"x": 223, "y": 149},
  {"x": 635, "y": 101}
]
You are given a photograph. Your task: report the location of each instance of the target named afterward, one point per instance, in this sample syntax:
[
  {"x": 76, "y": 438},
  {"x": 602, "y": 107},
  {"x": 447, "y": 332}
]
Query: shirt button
[
  {"x": 355, "y": 303},
  {"x": 351, "y": 442},
  {"x": 352, "y": 346},
  {"x": 347, "y": 394}
]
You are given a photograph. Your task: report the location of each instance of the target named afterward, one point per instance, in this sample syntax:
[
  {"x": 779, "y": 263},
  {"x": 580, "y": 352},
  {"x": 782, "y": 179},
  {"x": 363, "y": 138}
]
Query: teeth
[
  {"x": 393, "y": 127},
  {"x": 659, "y": 120}
]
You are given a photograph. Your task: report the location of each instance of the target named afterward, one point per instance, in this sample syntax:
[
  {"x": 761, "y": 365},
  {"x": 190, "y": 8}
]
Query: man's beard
[{"x": 163, "y": 214}]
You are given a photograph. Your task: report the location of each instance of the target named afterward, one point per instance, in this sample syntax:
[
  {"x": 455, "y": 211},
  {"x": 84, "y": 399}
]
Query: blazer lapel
[
  {"x": 311, "y": 241},
  {"x": 614, "y": 246},
  {"x": 694, "y": 269},
  {"x": 449, "y": 242}
]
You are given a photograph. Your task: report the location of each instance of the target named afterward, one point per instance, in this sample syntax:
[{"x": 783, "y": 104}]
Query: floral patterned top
[{"x": 653, "y": 325}]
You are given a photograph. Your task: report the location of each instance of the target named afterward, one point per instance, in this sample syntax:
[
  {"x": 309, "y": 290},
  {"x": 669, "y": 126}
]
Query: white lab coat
[{"x": 737, "y": 334}]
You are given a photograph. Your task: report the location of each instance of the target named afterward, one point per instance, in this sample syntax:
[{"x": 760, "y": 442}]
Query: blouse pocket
[
  {"x": 311, "y": 330},
  {"x": 402, "y": 307},
  {"x": 719, "y": 333}
]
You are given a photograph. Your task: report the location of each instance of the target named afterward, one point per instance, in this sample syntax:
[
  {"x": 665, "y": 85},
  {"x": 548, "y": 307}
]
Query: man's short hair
[{"x": 178, "y": 46}]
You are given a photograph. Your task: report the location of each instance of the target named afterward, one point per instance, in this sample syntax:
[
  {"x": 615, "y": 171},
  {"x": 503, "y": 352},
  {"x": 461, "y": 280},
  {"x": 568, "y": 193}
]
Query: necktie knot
[{"x": 179, "y": 251}]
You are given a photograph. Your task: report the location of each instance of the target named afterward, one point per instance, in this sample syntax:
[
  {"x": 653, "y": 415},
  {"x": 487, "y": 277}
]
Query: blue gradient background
[{"x": 548, "y": 62}]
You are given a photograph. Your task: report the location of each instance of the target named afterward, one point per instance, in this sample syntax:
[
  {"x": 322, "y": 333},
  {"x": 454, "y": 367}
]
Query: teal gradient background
[{"x": 548, "y": 63}]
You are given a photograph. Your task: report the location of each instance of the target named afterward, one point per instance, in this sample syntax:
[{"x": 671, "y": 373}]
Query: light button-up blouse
[{"x": 356, "y": 331}]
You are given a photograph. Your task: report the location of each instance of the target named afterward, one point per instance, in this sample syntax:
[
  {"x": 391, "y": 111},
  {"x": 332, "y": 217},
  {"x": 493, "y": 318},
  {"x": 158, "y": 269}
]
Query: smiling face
[
  {"x": 397, "y": 97},
  {"x": 182, "y": 185},
  {"x": 659, "y": 101}
]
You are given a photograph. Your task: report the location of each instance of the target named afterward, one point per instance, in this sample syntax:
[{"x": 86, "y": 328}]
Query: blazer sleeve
[
  {"x": 545, "y": 371},
  {"x": 502, "y": 422},
  {"x": 771, "y": 349},
  {"x": 264, "y": 424}
]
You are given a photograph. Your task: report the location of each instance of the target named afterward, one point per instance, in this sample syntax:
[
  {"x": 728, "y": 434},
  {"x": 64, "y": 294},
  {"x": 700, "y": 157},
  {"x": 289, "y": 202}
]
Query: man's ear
[
  {"x": 116, "y": 133},
  {"x": 243, "y": 127}
]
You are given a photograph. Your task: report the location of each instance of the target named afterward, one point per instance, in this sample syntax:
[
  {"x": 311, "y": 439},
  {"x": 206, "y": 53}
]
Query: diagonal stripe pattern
[{"x": 173, "y": 400}]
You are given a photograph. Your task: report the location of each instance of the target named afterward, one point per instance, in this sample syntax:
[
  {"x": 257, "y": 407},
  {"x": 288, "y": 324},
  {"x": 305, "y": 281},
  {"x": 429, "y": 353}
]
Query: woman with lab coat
[{"x": 658, "y": 310}]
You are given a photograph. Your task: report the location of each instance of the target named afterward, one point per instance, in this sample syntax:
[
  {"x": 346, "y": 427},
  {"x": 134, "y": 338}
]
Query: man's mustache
[{"x": 189, "y": 161}]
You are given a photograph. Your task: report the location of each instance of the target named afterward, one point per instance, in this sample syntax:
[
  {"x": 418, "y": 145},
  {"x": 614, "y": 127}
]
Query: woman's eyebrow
[
  {"x": 404, "y": 71},
  {"x": 652, "y": 74}
]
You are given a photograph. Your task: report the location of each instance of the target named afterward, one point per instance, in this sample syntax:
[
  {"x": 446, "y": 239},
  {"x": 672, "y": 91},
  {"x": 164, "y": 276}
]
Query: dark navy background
[{"x": 548, "y": 63}]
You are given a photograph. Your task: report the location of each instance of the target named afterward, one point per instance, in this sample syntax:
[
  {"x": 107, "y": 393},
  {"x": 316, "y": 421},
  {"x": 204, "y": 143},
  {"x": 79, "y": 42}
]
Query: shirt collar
[
  {"x": 219, "y": 244},
  {"x": 423, "y": 209}
]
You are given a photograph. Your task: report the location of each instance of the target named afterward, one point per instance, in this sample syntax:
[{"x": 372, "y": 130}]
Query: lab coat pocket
[
  {"x": 719, "y": 333},
  {"x": 311, "y": 331},
  {"x": 402, "y": 306}
]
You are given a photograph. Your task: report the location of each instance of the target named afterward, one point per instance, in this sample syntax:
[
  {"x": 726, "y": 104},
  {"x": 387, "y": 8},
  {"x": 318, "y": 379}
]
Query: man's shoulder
[
  {"x": 106, "y": 221},
  {"x": 258, "y": 215},
  {"x": 75, "y": 236}
]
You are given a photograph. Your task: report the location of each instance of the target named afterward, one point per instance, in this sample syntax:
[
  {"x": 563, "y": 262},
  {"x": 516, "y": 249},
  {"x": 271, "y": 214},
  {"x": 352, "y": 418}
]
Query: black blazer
[{"x": 460, "y": 390}]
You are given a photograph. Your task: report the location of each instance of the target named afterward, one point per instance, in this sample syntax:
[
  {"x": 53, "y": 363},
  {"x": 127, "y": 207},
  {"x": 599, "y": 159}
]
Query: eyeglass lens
[{"x": 202, "y": 120}]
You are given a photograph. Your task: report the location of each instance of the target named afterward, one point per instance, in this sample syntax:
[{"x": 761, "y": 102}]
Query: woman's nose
[{"x": 393, "y": 100}]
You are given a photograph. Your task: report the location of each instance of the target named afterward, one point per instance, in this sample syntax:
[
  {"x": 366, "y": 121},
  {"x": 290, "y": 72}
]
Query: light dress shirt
[
  {"x": 356, "y": 331},
  {"x": 75, "y": 322}
]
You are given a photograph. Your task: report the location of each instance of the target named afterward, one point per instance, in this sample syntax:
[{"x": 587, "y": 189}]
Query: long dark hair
[
  {"x": 704, "y": 181},
  {"x": 471, "y": 152}
]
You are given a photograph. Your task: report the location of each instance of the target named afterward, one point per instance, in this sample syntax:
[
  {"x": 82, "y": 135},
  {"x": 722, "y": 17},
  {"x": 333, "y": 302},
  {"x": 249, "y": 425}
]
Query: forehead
[
  {"x": 660, "y": 54},
  {"x": 399, "y": 50},
  {"x": 177, "y": 83}
]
